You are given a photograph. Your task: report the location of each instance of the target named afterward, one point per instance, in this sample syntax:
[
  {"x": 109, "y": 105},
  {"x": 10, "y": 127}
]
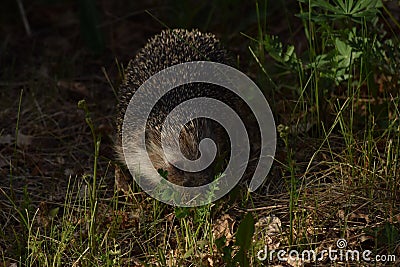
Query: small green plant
[
  {"x": 355, "y": 10},
  {"x": 242, "y": 245},
  {"x": 332, "y": 89},
  {"x": 93, "y": 185},
  {"x": 293, "y": 182},
  {"x": 244, "y": 237},
  {"x": 195, "y": 226}
]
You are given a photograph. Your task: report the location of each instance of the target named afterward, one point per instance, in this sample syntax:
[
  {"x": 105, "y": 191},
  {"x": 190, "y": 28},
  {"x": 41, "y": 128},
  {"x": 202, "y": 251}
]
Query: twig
[{"x": 24, "y": 18}]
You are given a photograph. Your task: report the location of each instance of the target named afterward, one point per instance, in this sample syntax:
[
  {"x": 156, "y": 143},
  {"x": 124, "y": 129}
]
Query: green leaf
[
  {"x": 320, "y": 3},
  {"x": 53, "y": 212},
  {"x": 227, "y": 254},
  {"x": 343, "y": 48},
  {"x": 275, "y": 49},
  {"x": 181, "y": 212},
  {"x": 322, "y": 10},
  {"x": 188, "y": 253},
  {"x": 245, "y": 232},
  {"x": 342, "y": 6},
  {"x": 241, "y": 258},
  {"x": 220, "y": 242},
  {"x": 163, "y": 173},
  {"x": 289, "y": 53}
]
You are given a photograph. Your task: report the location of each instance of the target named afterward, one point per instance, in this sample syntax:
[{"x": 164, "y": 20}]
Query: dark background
[{"x": 72, "y": 50}]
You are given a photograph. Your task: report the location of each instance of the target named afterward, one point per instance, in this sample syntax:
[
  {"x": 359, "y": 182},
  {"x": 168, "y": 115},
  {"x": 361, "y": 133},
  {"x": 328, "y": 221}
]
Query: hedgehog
[{"x": 166, "y": 49}]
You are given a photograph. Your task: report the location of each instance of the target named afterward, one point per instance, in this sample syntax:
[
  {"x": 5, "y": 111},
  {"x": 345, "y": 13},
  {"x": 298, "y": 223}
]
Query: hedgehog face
[{"x": 189, "y": 140}]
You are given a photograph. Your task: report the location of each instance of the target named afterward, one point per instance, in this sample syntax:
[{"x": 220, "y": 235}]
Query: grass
[{"x": 333, "y": 85}]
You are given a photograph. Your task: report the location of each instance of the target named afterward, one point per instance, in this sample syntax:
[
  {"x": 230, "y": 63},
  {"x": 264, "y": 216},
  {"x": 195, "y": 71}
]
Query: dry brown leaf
[
  {"x": 3, "y": 162},
  {"x": 295, "y": 262},
  {"x": 121, "y": 181},
  {"x": 76, "y": 87},
  {"x": 365, "y": 237},
  {"x": 272, "y": 223},
  {"x": 341, "y": 214},
  {"x": 357, "y": 215},
  {"x": 268, "y": 230},
  {"x": 6, "y": 139},
  {"x": 22, "y": 140},
  {"x": 224, "y": 227}
]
